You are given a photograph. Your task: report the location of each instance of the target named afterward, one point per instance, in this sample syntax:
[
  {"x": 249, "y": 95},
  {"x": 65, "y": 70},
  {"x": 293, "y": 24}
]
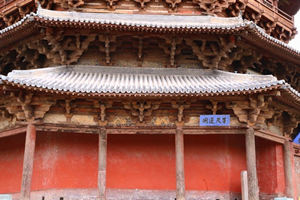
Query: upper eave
[{"x": 189, "y": 24}]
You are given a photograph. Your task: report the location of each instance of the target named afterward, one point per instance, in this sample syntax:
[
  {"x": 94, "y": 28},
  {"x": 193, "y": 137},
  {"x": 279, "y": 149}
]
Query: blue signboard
[{"x": 214, "y": 120}]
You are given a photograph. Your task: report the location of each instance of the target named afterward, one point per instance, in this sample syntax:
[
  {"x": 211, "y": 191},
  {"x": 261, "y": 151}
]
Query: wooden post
[
  {"x": 102, "y": 164},
  {"x": 288, "y": 170},
  {"x": 179, "y": 148},
  {"x": 244, "y": 183},
  {"x": 253, "y": 191},
  {"x": 28, "y": 161}
]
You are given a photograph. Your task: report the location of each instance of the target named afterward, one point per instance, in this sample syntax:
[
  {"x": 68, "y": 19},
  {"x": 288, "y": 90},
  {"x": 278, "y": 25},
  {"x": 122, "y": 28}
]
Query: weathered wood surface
[
  {"x": 270, "y": 136},
  {"x": 179, "y": 149},
  {"x": 289, "y": 190},
  {"x": 102, "y": 164},
  {"x": 193, "y": 130},
  {"x": 28, "y": 161},
  {"x": 13, "y": 131},
  {"x": 251, "y": 165}
]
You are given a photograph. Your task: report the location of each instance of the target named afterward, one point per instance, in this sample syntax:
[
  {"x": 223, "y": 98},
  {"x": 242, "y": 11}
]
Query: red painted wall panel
[
  {"x": 65, "y": 160},
  {"x": 11, "y": 163},
  {"x": 214, "y": 162},
  {"x": 270, "y": 166},
  {"x": 141, "y": 161}
]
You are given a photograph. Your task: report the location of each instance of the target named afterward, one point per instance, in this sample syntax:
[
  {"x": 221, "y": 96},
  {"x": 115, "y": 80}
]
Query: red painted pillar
[{"x": 28, "y": 161}]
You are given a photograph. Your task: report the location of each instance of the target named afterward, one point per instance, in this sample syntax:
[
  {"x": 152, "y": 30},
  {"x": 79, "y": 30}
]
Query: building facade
[{"x": 149, "y": 99}]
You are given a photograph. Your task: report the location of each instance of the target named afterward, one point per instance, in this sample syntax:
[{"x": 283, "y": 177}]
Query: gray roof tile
[
  {"x": 152, "y": 21},
  {"x": 124, "y": 80}
]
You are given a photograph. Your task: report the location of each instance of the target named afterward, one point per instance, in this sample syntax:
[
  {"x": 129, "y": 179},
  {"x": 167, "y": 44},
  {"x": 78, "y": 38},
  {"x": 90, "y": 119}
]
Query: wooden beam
[
  {"x": 193, "y": 130},
  {"x": 289, "y": 190},
  {"x": 270, "y": 136},
  {"x": 102, "y": 164},
  {"x": 13, "y": 131},
  {"x": 28, "y": 161},
  {"x": 253, "y": 191},
  {"x": 179, "y": 149}
]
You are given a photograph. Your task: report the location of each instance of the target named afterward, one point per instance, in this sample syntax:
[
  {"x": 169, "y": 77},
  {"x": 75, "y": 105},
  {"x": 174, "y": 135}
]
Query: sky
[{"x": 296, "y": 41}]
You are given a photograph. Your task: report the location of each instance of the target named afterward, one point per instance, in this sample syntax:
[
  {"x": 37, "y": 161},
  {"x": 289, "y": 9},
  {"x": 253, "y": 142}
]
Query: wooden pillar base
[
  {"x": 28, "y": 161},
  {"x": 253, "y": 191},
  {"x": 102, "y": 164},
  {"x": 179, "y": 148}
]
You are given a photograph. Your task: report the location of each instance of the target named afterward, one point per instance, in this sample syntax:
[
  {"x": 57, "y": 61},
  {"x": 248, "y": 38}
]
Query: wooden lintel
[
  {"x": 270, "y": 136},
  {"x": 193, "y": 130},
  {"x": 13, "y": 131}
]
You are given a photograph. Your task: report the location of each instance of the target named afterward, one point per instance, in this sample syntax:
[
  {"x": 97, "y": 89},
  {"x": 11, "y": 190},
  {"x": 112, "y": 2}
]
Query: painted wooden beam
[
  {"x": 14, "y": 131},
  {"x": 28, "y": 161},
  {"x": 253, "y": 191},
  {"x": 179, "y": 149},
  {"x": 288, "y": 169},
  {"x": 102, "y": 164}
]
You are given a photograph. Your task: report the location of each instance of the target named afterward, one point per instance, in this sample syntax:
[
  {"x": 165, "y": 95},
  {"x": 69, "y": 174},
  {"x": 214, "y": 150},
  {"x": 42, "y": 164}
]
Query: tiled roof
[
  {"x": 197, "y": 23},
  {"x": 145, "y": 81}
]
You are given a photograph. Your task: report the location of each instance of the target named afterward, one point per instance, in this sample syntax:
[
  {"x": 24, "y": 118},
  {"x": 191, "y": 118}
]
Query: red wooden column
[
  {"x": 253, "y": 191},
  {"x": 102, "y": 164},
  {"x": 179, "y": 149},
  {"x": 28, "y": 161},
  {"x": 288, "y": 169}
]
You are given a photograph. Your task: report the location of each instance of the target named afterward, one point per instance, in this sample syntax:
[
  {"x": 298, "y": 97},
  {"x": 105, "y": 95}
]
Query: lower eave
[{"x": 117, "y": 82}]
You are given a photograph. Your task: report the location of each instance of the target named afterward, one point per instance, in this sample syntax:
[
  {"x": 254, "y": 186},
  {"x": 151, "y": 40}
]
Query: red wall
[
  {"x": 68, "y": 160},
  {"x": 270, "y": 167},
  {"x": 65, "y": 160},
  {"x": 214, "y": 162},
  {"x": 11, "y": 163},
  {"x": 141, "y": 161}
]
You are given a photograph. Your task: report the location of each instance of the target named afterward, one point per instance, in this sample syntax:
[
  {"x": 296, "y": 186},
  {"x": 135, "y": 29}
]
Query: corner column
[
  {"x": 288, "y": 169},
  {"x": 179, "y": 148},
  {"x": 253, "y": 191},
  {"x": 102, "y": 163},
  {"x": 28, "y": 161}
]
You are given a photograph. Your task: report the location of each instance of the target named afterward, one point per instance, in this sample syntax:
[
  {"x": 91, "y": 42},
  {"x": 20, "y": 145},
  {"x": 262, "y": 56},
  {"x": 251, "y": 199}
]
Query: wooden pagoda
[{"x": 148, "y": 99}]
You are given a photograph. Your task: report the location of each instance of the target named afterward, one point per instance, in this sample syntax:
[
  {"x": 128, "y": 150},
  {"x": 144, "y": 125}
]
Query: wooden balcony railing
[
  {"x": 268, "y": 6},
  {"x": 271, "y": 11}
]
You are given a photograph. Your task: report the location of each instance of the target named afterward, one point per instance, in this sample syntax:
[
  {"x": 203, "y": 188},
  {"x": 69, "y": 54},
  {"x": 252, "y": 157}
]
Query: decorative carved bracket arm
[
  {"x": 27, "y": 106},
  {"x": 141, "y": 109},
  {"x": 180, "y": 106},
  {"x": 253, "y": 111},
  {"x": 102, "y": 106},
  {"x": 25, "y": 101}
]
